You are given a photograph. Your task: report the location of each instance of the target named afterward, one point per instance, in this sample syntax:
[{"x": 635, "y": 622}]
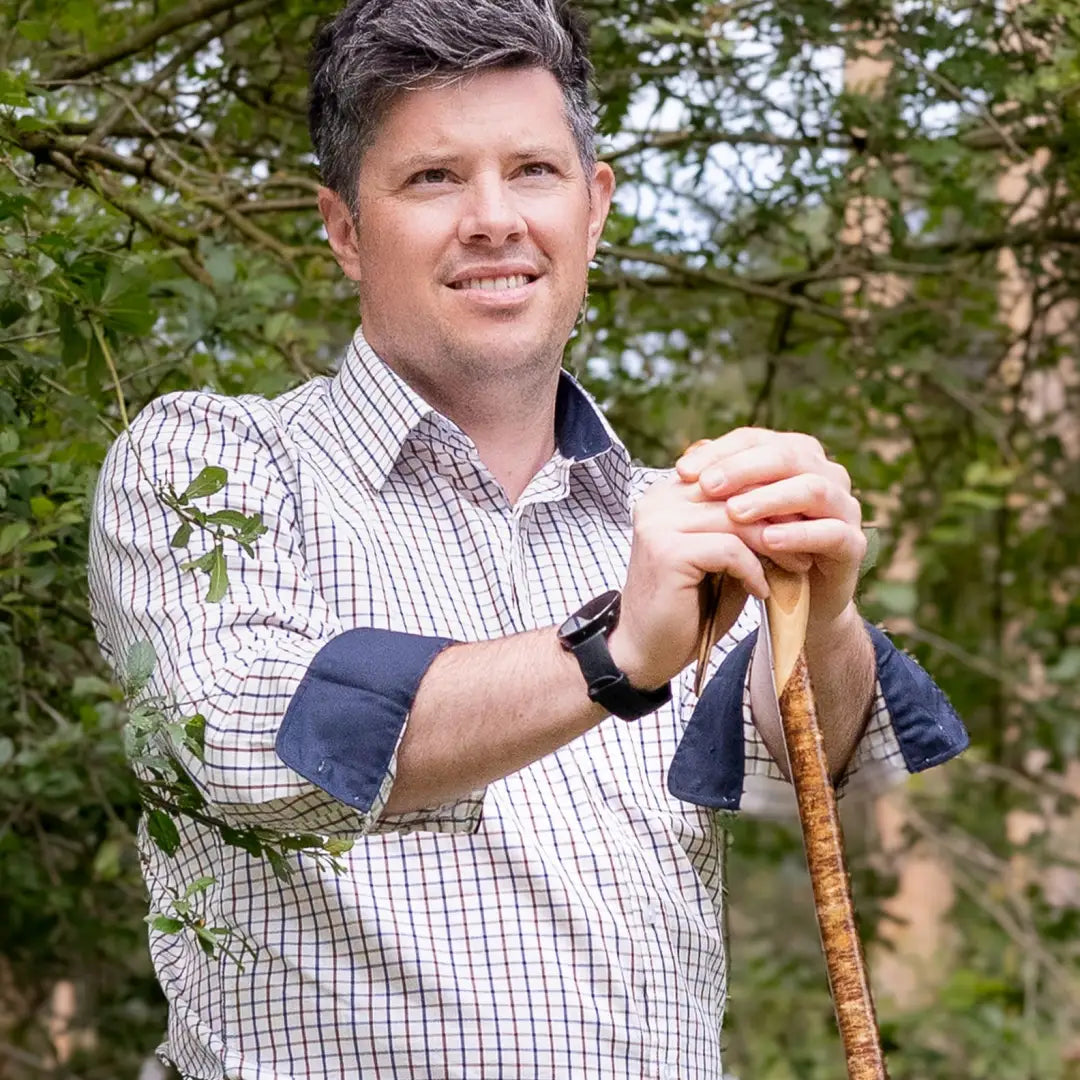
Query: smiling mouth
[{"x": 494, "y": 284}]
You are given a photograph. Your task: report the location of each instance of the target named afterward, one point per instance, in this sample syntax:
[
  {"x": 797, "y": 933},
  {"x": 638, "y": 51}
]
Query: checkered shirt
[{"x": 563, "y": 922}]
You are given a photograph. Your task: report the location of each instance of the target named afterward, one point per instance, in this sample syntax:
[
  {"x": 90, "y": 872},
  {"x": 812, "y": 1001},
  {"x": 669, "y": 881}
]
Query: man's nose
[{"x": 490, "y": 214}]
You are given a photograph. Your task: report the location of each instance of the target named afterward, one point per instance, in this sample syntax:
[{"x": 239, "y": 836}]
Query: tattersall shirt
[{"x": 564, "y": 922}]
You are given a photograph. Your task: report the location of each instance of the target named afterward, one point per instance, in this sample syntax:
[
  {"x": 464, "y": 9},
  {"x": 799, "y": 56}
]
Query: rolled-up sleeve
[
  {"x": 303, "y": 716},
  {"x": 721, "y": 761}
]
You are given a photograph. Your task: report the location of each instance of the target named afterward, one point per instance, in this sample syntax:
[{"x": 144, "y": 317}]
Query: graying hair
[{"x": 373, "y": 49}]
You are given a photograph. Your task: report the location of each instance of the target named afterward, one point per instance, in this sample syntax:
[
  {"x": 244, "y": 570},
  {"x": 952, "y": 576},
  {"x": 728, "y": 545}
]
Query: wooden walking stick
[{"x": 784, "y": 619}]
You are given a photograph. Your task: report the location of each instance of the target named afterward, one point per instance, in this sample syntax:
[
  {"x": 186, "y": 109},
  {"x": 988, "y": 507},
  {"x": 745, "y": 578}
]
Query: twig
[
  {"x": 166, "y": 71},
  {"x": 107, "y": 353},
  {"x": 175, "y": 20},
  {"x": 29, "y": 337},
  {"x": 719, "y": 279}
]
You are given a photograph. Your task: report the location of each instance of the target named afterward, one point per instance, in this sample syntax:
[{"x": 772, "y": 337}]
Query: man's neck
[
  {"x": 514, "y": 432},
  {"x": 511, "y": 422}
]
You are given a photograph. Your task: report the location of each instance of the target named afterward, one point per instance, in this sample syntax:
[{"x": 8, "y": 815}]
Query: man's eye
[
  {"x": 537, "y": 168},
  {"x": 431, "y": 176}
]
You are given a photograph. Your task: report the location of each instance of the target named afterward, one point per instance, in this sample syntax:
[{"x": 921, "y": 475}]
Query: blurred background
[{"x": 857, "y": 219}]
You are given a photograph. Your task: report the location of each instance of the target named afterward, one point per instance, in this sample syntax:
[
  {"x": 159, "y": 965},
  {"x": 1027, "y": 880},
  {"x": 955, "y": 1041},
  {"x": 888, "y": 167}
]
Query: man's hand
[
  {"x": 681, "y": 533},
  {"x": 788, "y": 499}
]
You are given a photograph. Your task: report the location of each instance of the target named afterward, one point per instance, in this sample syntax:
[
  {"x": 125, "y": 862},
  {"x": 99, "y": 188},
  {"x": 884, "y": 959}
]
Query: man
[{"x": 526, "y": 897}]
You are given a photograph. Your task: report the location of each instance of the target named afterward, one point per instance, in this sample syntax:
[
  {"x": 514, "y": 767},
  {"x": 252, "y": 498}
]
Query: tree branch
[
  {"x": 177, "y": 19},
  {"x": 709, "y": 276},
  {"x": 180, "y": 237},
  {"x": 166, "y": 71}
]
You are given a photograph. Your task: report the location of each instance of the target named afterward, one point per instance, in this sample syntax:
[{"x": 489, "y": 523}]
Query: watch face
[{"x": 599, "y": 614}]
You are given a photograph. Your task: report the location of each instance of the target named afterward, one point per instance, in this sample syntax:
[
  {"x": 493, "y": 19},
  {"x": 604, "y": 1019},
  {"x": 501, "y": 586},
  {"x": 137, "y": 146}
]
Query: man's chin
[{"x": 506, "y": 351}]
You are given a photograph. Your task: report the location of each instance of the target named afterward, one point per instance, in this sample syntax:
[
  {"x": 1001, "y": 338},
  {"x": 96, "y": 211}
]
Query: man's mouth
[{"x": 494, "y": 284}]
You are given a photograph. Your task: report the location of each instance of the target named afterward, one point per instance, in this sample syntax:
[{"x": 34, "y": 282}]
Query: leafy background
[{"x": 857, "y": 219}]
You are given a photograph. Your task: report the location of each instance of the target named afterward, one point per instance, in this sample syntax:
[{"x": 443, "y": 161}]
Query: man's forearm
[
  {"x": 485, "y": 710},
  {"x": 842, "y": 670}
]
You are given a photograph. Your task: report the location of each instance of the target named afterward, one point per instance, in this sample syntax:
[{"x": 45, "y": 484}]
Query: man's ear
[
  {"x": 601, "y": 190},
  {"x": 340, "y": 231}
]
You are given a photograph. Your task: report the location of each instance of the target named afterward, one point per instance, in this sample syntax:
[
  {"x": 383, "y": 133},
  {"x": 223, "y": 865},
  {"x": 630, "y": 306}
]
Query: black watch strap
[
  {"x": 585, "y": 634},
  {"x": 609, "y": 686}
]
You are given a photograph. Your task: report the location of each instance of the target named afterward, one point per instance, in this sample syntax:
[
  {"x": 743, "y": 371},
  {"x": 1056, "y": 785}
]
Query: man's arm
[
  {"x": 485, "y": 710},
  {"x": 482, "y": 711},
  {"x": 465, "y": 729}
]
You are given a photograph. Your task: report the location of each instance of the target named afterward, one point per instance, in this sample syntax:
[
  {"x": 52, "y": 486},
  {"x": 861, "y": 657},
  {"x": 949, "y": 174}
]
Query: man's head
[
  {"x": 374, "y": 49},
  {"x": 463, "y": 195}
]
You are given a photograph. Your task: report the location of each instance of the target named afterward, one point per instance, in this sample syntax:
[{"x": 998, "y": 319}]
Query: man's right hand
[{"x": 680, "y": 535}]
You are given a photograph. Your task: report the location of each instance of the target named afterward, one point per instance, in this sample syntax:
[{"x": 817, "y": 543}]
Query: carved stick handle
[{"x": 822, "y": 836}]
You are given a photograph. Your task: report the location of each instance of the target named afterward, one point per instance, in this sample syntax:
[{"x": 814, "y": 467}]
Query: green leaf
[
  {"x": 301, "y": 841},
  {"x": 279, "y": 864},
  {"x": 42, "y": 507},
  {"x": 206, "y": 941},
  {"x": 220, "y": 263},
  {"x": 195, "y": 733},
  {"x": 338, "y": 845},
  {"x": 163, "y": 831},
  {"x": 7, "y": 750},
  {"x": 232, "y": 518},
  {"x": 165, "y": 923},
  {"x": 219, "y": 578},
  {"x": 199, "y": 885},
  {"x": 897, "y": 597},
  {"x": 873, "y": 550},
  {"x": 12, "y": 535},
  {"x": 139, "y": 666},
  {"x": 32, "y": 29},
  {"x": 181, "y": 536},
  {"x": 91, "y": 686},
  {"x": 12, "y": 89},
  {"x": 242, "y": 838},
  {"x": 210, "y": 481},
  {"x": 107, "y": 860},
  {"x": 125, "y": 305},
  {"x": 203, "y": 562}
]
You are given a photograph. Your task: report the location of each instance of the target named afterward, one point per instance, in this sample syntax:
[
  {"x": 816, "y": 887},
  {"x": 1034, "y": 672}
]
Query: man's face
[{"x": 474, "y": 229}]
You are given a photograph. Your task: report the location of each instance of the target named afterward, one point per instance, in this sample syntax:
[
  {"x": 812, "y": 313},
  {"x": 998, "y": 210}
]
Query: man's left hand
[{"x": 799, "y": 506}]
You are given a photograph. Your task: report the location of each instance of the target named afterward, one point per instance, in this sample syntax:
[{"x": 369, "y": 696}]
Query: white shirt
[{"x": 564, "y": 922}]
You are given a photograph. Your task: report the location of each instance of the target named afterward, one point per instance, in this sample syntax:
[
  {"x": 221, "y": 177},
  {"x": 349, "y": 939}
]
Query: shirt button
[
  {"x": 669, "y": 1072},
  {"x": 650, "y": 915}
]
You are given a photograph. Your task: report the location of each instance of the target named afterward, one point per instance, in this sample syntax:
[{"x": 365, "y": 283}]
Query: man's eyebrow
[
  {"x": 443, "y": 159},
  {"x": 426, "y": 159},
  {"x": 539, "y": 152}
]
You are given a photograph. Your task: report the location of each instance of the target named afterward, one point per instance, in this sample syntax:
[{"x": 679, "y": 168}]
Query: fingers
[
  {"x": 749, "y": 457},
  {"x": 809, "y": 495},
  {"x": 724, "y": 553},
  {"x": 826, "y": 538},
  {"x": 790, "y": 456},
  {"x": 704, "y": 452}
]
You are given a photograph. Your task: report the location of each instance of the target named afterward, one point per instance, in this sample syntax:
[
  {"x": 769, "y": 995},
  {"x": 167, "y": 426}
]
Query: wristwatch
[{"x": 585, "y": 635}]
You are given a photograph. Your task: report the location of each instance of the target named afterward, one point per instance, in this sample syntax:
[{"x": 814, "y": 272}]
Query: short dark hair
[{"x": 372, "y": 49}]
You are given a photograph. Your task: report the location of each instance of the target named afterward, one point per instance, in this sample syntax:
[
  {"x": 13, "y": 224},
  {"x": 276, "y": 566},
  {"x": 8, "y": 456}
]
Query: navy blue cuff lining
[
  {"x": 926, "y": 725},
  {"x": 343, "y": 724},
  {"x": 709, "y": 765},
  {"x": 709, "y": 762}
]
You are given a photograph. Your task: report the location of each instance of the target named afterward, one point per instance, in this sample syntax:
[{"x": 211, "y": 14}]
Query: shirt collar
[{"x": 376, "y": 411}]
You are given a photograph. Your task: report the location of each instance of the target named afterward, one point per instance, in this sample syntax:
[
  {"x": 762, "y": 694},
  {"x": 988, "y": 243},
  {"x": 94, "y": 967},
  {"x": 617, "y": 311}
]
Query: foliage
[{"x": 788, "y": 249}]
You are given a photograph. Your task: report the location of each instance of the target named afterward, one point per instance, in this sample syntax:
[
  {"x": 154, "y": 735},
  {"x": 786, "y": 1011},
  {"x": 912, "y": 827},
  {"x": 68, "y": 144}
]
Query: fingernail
[
  {"x": 773, "y": 535},
  {"x": 713, "y": 479},
  {"x": 742, "y": 506}
]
